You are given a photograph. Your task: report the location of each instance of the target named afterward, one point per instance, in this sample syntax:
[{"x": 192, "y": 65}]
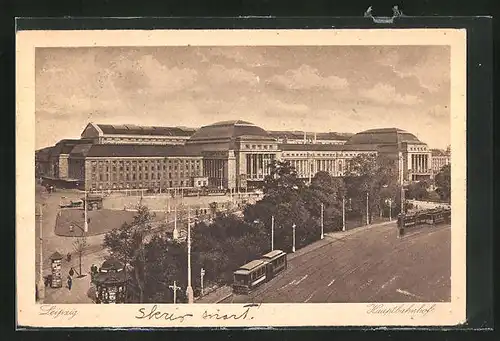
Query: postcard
[{"x": 241, "y": 178}]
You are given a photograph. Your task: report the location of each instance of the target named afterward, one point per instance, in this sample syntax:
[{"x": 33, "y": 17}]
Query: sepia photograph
[{"x": 186, "y": 178}]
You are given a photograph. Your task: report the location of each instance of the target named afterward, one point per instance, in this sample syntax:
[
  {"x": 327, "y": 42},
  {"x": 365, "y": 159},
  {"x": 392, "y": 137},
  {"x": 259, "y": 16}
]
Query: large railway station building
[{"x": 230, "y": 154}]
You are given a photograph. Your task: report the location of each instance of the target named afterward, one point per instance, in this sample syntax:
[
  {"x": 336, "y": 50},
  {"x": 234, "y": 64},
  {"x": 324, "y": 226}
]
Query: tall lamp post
[
  {"x": 401, "y": 183},
  {"x": 293, "y": 238},
  {"x": 322, "y": 223},
  {"x": 85, "y": 224},
  {"x": 41, "y": 284},
  {"x": 202, "y": 274},
  {"x": 367, "y": 210},
  {"x": 272, "y": 233},
  {"x": 343, "y": 214},
  {"x": 189, "y": 289}
]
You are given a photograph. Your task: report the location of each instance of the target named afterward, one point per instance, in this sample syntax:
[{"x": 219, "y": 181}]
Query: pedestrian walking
[{"x": 70, "y": 282}]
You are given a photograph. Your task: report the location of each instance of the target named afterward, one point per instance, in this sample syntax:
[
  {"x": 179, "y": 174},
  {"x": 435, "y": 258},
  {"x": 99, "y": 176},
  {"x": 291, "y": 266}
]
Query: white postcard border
[{"x": 346, "y": 314}]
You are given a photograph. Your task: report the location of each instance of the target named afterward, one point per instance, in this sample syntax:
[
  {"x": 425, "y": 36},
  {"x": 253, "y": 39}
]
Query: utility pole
[
  {"x": 309, "y": 164},
  {"x": 390, "y": 209},
  {"x": 272, "y": 233},
  {"x": 202, "y": 274},
  {"x": 175, "y": 232},
  {"x": 175, "y": 288},
  {"x": 293, "y": 238},
  {"x": 343, "y": 214},
  {"x": 41, "y": 284},
  {"x": 189, "y": 289},
  {"x": 85, "y": 224},
  {"x": 401, "y": 181},
  {"x": 322, "y": 227},
  {"x": 367, "y": 210}
]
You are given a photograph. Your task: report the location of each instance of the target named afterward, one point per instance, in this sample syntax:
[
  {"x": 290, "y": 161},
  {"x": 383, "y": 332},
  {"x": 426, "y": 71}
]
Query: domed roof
[
  {"x": 383, "y": 136},
  {"x": 229, "y": 130}
]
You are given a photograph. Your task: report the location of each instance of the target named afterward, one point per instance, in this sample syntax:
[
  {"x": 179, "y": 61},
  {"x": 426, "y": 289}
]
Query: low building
[
  {"x": 308, "y": 159},
  {"x": 440, "y": 158}
]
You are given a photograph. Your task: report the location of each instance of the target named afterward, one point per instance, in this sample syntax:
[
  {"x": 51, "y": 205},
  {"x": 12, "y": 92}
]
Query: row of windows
[
  {"x": 143, "y": 168},
  {"x": 135, "y": 185},
  {"x": 326, "y": 154},
  {"x": 258, "y": 273},
  {"x": 153, "y": 162},
  {"x": 260, "y": 146},
  {"x": 418, "y": 148},
  {"x": 140, "y": 176},
  {"x": 131, "y": 139}
]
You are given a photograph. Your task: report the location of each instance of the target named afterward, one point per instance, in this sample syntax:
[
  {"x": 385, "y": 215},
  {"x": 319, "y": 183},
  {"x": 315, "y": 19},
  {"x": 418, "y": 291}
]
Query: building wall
[
  {"x": 418, "y": 165},
  {"x": 76, "y": 168},
  {"x": 141, "y": 173},
  {"x": 308, "y": 163},
  {"x": 63, "y": 166},
  {"x": 439, "y": 162}
]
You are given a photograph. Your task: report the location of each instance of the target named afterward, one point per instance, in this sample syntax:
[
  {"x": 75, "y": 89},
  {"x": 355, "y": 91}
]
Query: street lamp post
[
  {"x": 390, "y": 209},
  {"x": 85, "y": 224},
  {"x": 322, "y": 223},
  {"x": 367, "y": 211},
  {"x": 41, "y": 284},
  {"x": 175, "y": 288},
  {"x": 189, "y": 289},
  {"x": 202, "y": 274},
  {"x": 272, "y": 233},
  {"x": 343, "y": 214},
  {"x": 175, "y": 233},
  {"x": 293, "y": 238}
]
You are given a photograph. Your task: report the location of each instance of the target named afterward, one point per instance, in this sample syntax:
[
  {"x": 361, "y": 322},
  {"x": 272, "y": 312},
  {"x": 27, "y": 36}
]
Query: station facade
[{"x": 230, "y": 154}]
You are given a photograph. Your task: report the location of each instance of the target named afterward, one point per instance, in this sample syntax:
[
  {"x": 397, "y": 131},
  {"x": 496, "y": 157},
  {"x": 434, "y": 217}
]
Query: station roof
[
  {"x": 132, "y": 129},
  {"x": 383, "y": 136},
  {"x": 299, "y": 135},
  {"x": 229, "y": 130}
]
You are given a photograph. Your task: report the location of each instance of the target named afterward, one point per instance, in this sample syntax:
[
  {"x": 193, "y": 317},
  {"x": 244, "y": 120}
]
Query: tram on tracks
[
  {"x": 251, "y": 275},
  {"x": 430, "y": 217}
]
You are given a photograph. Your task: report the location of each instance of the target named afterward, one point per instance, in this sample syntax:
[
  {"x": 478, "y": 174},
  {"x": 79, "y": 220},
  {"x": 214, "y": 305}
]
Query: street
[{"x": 372, "y": 265}]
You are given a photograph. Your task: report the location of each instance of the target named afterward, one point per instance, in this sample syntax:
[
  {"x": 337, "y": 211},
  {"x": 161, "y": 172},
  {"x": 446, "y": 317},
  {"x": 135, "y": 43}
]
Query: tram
[{"x": 256, "y": 272}]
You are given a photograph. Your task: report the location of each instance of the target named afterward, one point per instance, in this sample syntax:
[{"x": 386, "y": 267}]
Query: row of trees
[
  {"x": 228, "y": 242},
  {"x": 442, "y": 183}
]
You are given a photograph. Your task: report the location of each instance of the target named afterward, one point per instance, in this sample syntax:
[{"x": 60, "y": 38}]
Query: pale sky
[{"x": 331, "y": 88}]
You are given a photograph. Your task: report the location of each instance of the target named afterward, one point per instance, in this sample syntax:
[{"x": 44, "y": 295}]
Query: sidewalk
[
  {"x": 216, "y": 296},
  {"x": 81, "y": 288}
]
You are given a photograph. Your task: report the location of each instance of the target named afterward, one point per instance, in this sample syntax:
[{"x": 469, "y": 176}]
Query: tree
[
  {"x": 80, "y": 245},
  {"x": 282, "y": 179},
  {"x": 226, "y": 244},
  {"x": 374, "y": 175},
  {"x": 127, "y": 243},
  {"x": 329, "y": 191},
  {"x": 443, "y": 182},
  {"x": 418, "y": 190}
]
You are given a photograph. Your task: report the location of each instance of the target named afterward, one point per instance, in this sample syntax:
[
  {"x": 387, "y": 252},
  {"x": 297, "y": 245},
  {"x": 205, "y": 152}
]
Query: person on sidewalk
[{"x": 70, "y": 282}]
